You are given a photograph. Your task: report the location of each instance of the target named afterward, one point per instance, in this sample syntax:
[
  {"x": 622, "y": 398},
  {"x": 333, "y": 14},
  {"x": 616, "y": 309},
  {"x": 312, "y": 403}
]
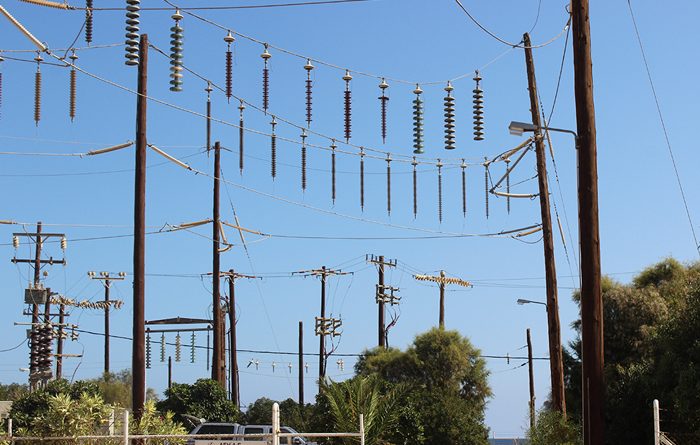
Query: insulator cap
[
  {"x": 347, "y": 77},
  {"x": 308, "y": 66},
  {"x": 383, "y": 85},
  {"x": 418, "y": 90},
  {"x": 449, "y": 87},
  {"x": 177, "y": 15},
  {"x": 266, "y": 54},
  {"x": 229, "y": 38}
]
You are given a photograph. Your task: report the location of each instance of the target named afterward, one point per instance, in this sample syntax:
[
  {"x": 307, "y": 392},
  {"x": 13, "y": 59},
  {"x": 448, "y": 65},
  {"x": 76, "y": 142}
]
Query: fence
[{"x": 125, "y": 438}]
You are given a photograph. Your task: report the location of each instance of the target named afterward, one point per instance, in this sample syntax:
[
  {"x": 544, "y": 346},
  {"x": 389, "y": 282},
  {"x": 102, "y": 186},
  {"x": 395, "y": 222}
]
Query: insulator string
[
  {"x": 388, "y": 183},
  {"x": 486, "y": 186},
  {"x": 348, "y": 106},
  {"x": 273, "y": 149},
  {"x": 178, "y": 347},
  {"x": 415, "y": 188},
  {"x": 88, "y": 21},
  {"x": 133, "y": 8},
  {"x": 362, "y": 179},
  {"x": 507, "y": 161},
  {"x": 449, "y": 118},
  {"x": 229, "y": 39},
  {"x": 303, "y": 160},
  {"x": 333, "y": 177},
  {"x": 418, "y": 121},
  {"x": 439, "y": 169},
  {"x": 309, "y": 85},
  {"x": 162, "y": 347},
  {"x": 266, "y": 80},
  {"x": 193, "y": 337},
  {"x": 176, "y": 42},
  {"x": 464, "y": 188},
  {"x": 241, "y": 127},
  {"x": 148, "y": 351},
  {"x": 384, "y": 100},
  {"x": 478, "y": 109},
  {"x": 73, "y": 88},
  {"x": 37, "y": 90}
]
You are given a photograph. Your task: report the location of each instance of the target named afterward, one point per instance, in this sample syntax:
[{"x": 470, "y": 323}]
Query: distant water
[{"x": 508, "y": 441}]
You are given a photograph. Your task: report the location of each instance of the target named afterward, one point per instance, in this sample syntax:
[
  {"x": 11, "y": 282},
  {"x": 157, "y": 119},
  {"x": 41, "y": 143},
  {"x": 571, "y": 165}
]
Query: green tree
[
  {"x": 551, "y": 428},
  {"x": 13, "y": 391},
  {"x": 291, "y": 414},
  {"x": 204, "y": 399},
  {"x": 115, "y": 388},
  {"x": 447, "y": 383}
]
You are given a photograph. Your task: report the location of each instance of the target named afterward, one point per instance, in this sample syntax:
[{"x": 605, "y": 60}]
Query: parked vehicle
[{"x": 209, "y": 428}]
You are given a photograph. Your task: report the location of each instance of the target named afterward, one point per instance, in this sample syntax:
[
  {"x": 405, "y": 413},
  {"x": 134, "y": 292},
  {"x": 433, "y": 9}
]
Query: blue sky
[{"x": 641, "y": 213}]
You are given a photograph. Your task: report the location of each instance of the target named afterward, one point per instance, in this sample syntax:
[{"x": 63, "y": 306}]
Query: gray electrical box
[{"x": 35, "y": 296}]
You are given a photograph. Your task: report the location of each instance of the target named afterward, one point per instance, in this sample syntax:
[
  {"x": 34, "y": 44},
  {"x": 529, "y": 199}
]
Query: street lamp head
[
  {"x": 518, "y": 128},
  {"x": 521, "y": 301}
]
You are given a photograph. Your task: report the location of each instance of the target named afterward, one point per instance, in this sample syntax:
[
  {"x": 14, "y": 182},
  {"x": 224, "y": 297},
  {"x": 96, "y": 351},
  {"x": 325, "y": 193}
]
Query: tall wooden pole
[
  {"x": 556, "y": 365},
  {"x": 593, "y": 384},
  {"x": 301, "y": 364},
  {"x": 138, "y": 351},
  {"x": 322, "y": 336},
  {"x": 106, "y": 359},
  {"x": 217, "y": 370},
  {"x": 233, "y": 355},
  {"x": 442, "y": 301},
  {"x": 59, "y": 341},
  {"x": 532, "y": 379},
  {"x": 380, "y": 304},
  {"x": 170, "y": 372}
]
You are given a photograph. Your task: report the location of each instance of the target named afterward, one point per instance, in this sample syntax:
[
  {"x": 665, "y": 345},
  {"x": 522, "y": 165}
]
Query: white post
[
  {"x": 657, "y": 423},
  {"x": 126, "y": 427},
  {"x": 9, "y": 427},
  {"x": 110, "y": 429},
  {"x": 275, "y": 424},
  {"x": 362, "y": 429}
]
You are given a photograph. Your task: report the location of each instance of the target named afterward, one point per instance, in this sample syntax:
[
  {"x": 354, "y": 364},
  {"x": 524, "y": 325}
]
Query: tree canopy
[{"x": 205, "y": 399}]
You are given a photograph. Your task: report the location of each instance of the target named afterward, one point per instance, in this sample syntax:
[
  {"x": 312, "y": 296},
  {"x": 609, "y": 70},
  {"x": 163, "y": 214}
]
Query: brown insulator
[
  {"x": 383, "y": 99},
  {"x": 439, "y": 167},
  {"x": 507, "y": 161},
  {"x": 229, "y": 39},
  {"x": 88, "y": 21},
  {"x": 478, "y": 109},
  {"x": 241, "y": 127},
  {"x": 362, "y": 179},
  {"x": 449, "y": 118},
  {"x": 73, "y": 88},
  {"x": 309, "y": 85},
  {"x": 37, "y": 90},
  {"x": 273, "y": 150},
  {"x": 333, "y": 147},
  {"x": 464, "y": 188},
  {"x": 303, "y": 160},
  {"x": 414, "y": 163},
  {"x": 266, "y": 80},
  {"x": 348, "y": 105},
  {"x": 388, "y": 183}
]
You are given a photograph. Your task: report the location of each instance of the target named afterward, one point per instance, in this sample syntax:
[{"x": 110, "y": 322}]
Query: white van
[{"x": 213, "y": 428}]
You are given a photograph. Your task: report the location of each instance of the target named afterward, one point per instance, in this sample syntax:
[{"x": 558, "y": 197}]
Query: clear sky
[{"x": 642, "y": 215}]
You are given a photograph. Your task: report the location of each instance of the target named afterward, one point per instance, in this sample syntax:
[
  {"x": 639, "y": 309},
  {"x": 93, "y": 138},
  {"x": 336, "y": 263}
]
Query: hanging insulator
[
  {"x": 414, "y": 163},
  {"x": 303, "y": 160},
  {"x": 464, "y": 188},
  {"x": 478, "y": 109},
  {"x": 37, "y": 90},
  {"x": 73, "y": 87},
  {"x": 309, "y": 84},
  {"x": 208, "y": 347},
  {"x": 1, "y": 60},
  {"x": 266, "y": 80},
  {"x": 486, "y": 185},
  {"x": 383, "y": 99},
  {"x": 439, "y": 167},
  {"x": 88, "y": 21},
  {"x": 289, "y": 365},
  {"x": 64, "y": 243},
  {"x": 208, "y": 89},
  {"x": 333, "y": 147},
  {"x": 162, "y": 348},
  {"x": 133, "y": 8},
  {"x": 388, "y": 183},
  {"x": 274, "y": 365},
  {"x": 348, "y": 106},
  {"x": 507, "y": 161},
  {"x": 148, "y": 351},
  {"x": 178, "y": 347},
  {"x": 362, "y": 179},
  {"x": 418, "y": 121},
  {"x": 449, "y": 118},
  {"x": 241, "y": 127},
  {"x": 273, "y": 149},
  {"x": 176, "y": 37},
  {"x": 229, "y": 39},
  {"x": 15, "y": 241},
  {"x": 193, "y": 337}
]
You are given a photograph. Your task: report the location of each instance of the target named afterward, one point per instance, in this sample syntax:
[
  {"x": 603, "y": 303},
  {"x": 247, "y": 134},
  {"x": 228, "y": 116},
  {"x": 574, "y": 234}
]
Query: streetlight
[
  {"x": 518, "y": 128},
  {"x": 522, "y": 301}
]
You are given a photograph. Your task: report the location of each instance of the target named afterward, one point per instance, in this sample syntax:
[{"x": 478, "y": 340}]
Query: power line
[
  {"x": 663, "y": 126},
  {"x": 227, "y": 8}
]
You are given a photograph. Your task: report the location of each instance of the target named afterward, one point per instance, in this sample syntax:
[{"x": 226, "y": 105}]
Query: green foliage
[
  {"x": 363, "y": 395},
  {"x": 153, "y": 422},
  {"x": 13, "y": 391},
  {"x": 551, "y": 428},
  {"x": 447, "y": 388},
  {"x": 116, "y": 388},
  {"x": 69, "y": 416},
  {"x": 204, "y": 399},
  {"x": 291, "y": 414}
]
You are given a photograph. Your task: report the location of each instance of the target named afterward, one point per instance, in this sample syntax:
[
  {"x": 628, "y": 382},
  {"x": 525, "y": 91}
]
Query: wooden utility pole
[
  {"x": 59, "y": 341},
  {"x": 218, "y": 368},
  {"x": 380, "y": 296},
  {"x": 532, "y": 379},
  {"x": 322, "y": 337},
  {"x": 442, "y": 280},
  {"x": 556, "y": 364},
  {"x": 138, "y": 351},
  {"x": 170, "y": 372},
  {"x": 106, "y": 279},
  {"x": 593, "y": 384},
  {"x": 301, "y": 364}
]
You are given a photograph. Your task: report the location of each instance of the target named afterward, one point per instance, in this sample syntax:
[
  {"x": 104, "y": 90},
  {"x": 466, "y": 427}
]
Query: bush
[{"x": 551, "y": 428}]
